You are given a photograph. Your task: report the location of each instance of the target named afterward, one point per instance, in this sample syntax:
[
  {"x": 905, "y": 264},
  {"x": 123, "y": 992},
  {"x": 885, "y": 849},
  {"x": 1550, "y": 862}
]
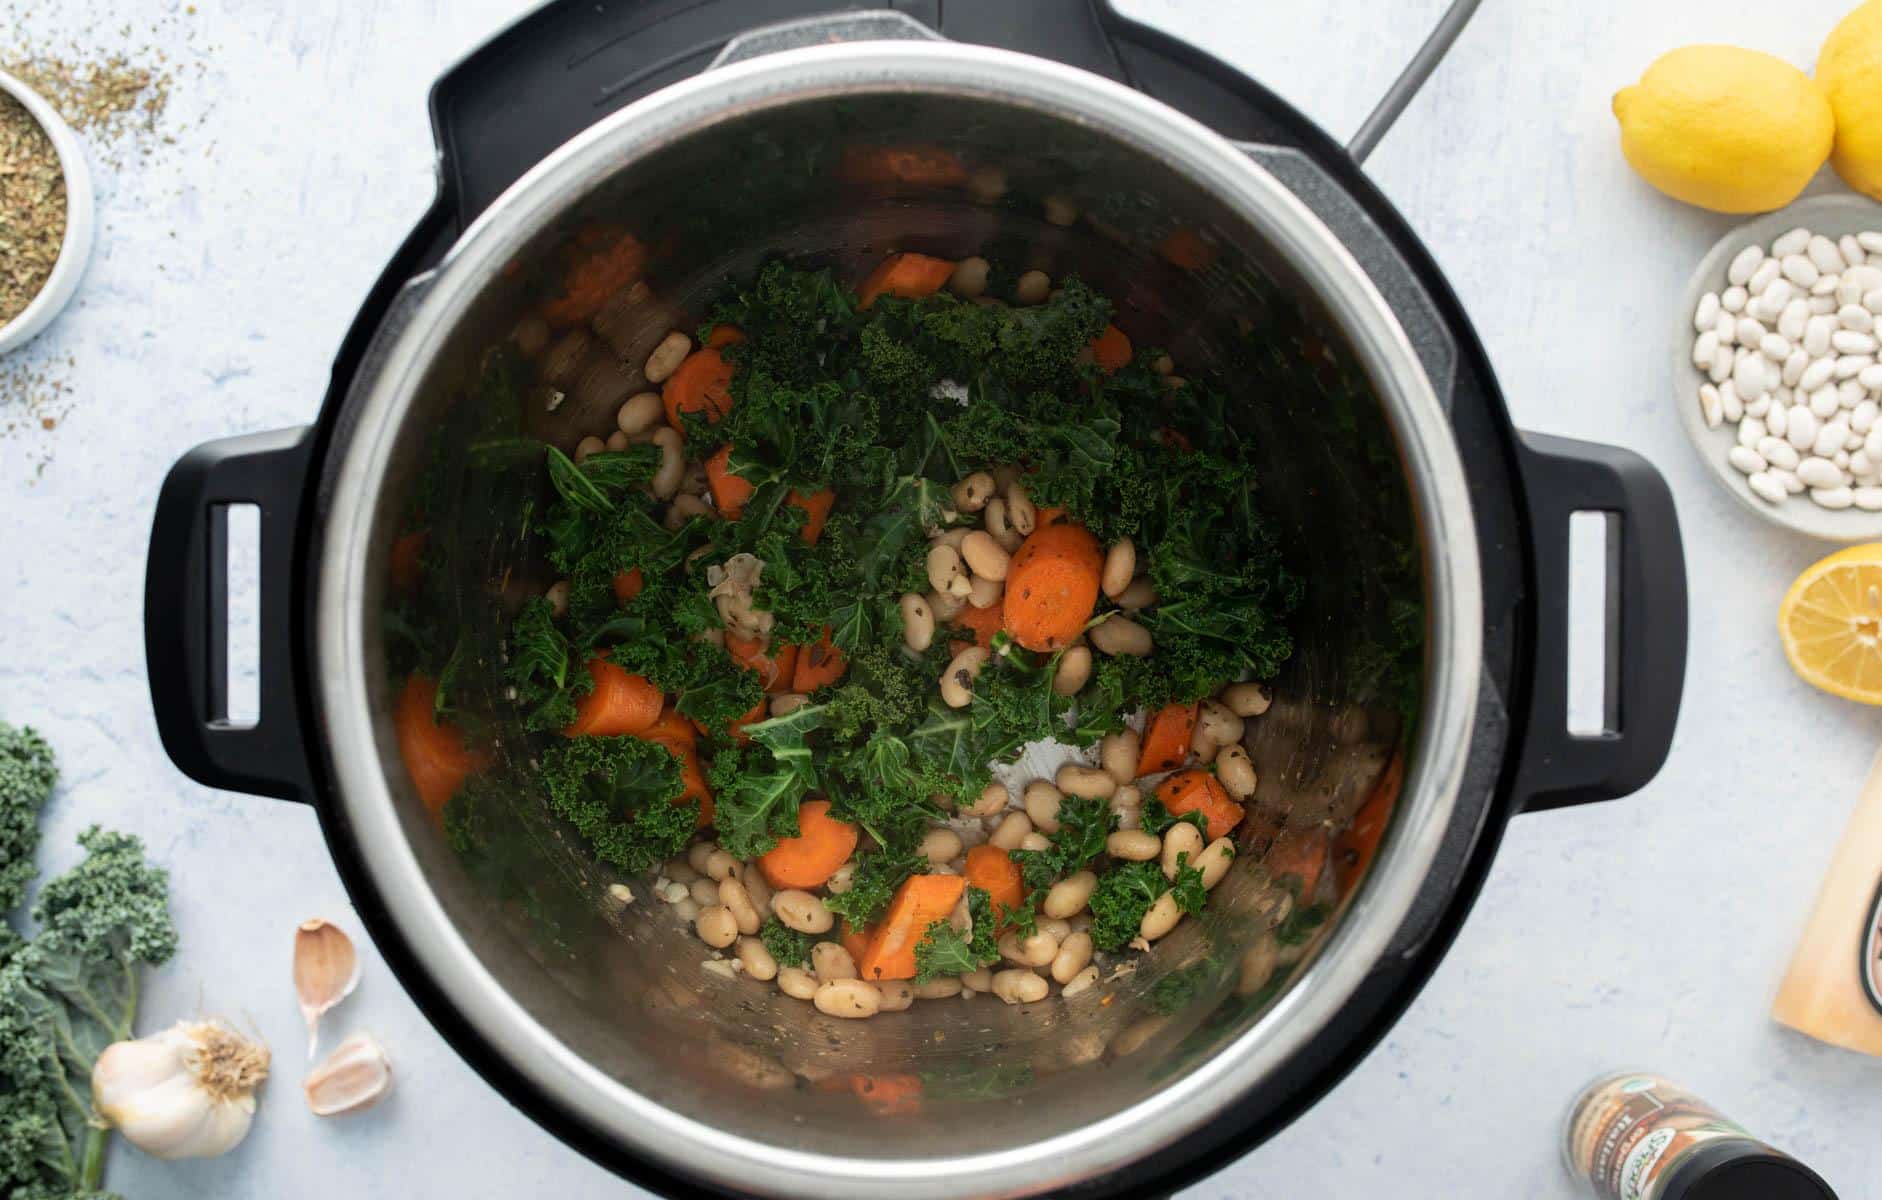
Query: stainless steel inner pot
[{"x": 611, "y": 1015}]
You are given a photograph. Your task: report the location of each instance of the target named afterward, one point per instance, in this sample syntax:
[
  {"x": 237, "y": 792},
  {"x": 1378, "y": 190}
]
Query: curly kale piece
[
  {"x": 27, "y": 775},
  {"x": 1118, "y": 904},
  {"x": 787, "y": 945},
  {"x": 944, "y": 950},
  {"x": 873, "y": 884},
  {"x": 621, "y": 794},
  {"x": 66, "y": 995}
]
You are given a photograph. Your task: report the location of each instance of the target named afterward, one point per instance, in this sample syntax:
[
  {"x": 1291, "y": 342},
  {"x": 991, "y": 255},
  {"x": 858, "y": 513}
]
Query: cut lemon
[{"x": 1831, "y": 623}]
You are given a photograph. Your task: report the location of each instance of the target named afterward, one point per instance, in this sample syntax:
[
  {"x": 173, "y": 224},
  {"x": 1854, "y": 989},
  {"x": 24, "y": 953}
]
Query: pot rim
[{"x": 396, "y": 367}]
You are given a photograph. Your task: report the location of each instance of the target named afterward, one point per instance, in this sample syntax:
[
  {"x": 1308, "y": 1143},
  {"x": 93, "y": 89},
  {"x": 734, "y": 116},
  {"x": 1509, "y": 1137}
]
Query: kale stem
[{"x": 92, "y": 1168}]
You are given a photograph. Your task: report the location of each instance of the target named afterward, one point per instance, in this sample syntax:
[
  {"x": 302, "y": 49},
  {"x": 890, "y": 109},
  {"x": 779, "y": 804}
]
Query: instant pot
[{"x": 1431, "y": 539}]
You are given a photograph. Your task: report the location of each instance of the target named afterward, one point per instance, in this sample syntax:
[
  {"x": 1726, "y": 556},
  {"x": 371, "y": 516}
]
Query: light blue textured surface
[{"x": 1649, "y": 931}]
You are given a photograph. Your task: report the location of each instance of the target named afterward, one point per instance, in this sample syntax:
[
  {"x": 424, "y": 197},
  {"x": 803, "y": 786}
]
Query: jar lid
[{"x": 1744, "y": 1170}]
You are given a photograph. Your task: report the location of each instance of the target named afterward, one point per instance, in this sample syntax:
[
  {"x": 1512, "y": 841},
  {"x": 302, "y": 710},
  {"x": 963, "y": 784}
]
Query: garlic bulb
[
  {"x": 188, "y": 1092},
  {"x": 355, "y": 1077},
  {"x": 326, "y": 970}
]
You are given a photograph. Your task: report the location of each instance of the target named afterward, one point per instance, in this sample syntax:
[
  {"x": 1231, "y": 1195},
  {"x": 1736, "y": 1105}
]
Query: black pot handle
[
  {"x": 1646, "y": 623},
  {"x": 186, "y": 614}
]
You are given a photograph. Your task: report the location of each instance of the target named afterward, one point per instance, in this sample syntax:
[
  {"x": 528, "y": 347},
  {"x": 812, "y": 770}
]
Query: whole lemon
[
  {"x": 1849, "y": 69},
  {"x": 1727, "y": 129}
]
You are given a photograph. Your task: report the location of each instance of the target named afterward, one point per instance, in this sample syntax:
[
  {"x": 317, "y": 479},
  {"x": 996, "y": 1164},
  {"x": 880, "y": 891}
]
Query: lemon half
[{"x": 1831, "y": 624}]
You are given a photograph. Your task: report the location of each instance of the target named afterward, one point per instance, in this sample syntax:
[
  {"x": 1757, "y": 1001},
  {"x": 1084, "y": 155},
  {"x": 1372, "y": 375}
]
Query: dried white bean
[
  {"x": 1704, "y": 349},
  {"x": 1707, "y": 314},
  {"x": 1853, "y": 253},
  {"x": 1849, "y": 341},
  {"x": 1776, "y": 347},
  {"x": 1824, "y": 254},
  {"x": 1822, "y": 402},
  {"x": 1802, "y": 428},
  {"x": 1819, "y": 473},
  {"x": 1869, "y": 499},
  {"x": 1777, "y": 420},
  {"x": 1794, "y": 241},
  {"x": 1851, "y": 366},
  {"x": 1830, "y": 439},
  {"x": 1767, "y": 487},
  {"x": 1750, "y": 431},
  {"x": 1799, "y": 270},
  {"x": 1764, "y": 276},
  {"x": 1743, "y": 264},
  {"x": 1816, "y": 374},
  {"x": 1748, "y": 461},
  {"x": 1731, "y": 408},
  {"x": 1833, "y": 498},
  {"x": 1792, "y": 485},
  {"x": 1794, "y": 319},
  {"x": 1856, "y": 317},
  {"x": 1817, "y": 336},
  {"x": 1871, "y": 241}
]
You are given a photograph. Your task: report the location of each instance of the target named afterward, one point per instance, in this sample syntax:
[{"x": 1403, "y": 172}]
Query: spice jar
[{"x": 1633, "y": 1135}]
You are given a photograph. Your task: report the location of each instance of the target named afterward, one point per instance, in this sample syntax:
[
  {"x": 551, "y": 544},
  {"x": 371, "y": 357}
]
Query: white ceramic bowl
[
  {"x": 1832, "y": 216},
  {"x": 75, "y": 249}
]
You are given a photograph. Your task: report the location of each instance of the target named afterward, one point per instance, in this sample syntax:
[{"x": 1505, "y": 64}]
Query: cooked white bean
[
  {"x": 941, "y": 845},
  {"x": 1223, "y": 725},
  {"x": 699, "y": 853},
  {"x": 720, "y": 865},
  {"x": 984, "y": 556},
  {"x": 679, "y": 870},
  {"x": 950, "y": 537},
  {"x": 1214, "y": 861},
  {"x": 1133, "y": 845},
  {"x": 1116, "y": 635},
  {"x": 666, "y": 479},
  {"x": 1118, "y": 754},
  {"x": 1201, "y": 744},
  {"x": 1161, "y": 917},
  {"x": 735, "y": 899},
  {"x": 1080, "y": 983},
  {"x": 1180, "y": 841},
  {"x": 994, "y": 519},
  {"x": 945, "y": 605},
  {"x": 969, "y": 278},
  {"x": 1247, "y": 699},
  {"x": 1011, "y": 831},
  {"x": 894, "y": 995},
  {"x": 1237, "y": 773},
  {"x": 971, "y": 494},
  {"x": 640, "y": 413},
  {"x": 704, "y": 891},
  {"x": 588, "y": 446},
  {"x": 957, "y": 682},
  {"x": 917, "y": 623},
  {"x": 788, "y": 702},
  {"x": 1075, "y": 779},
  {"x": 801, "y": 911},
  {"x": 1041, "y": 801},
  {"x": 1073, "y": 672},
  {"x": 757, "y": 961},
  {"x": 716, "y": 926},
  {"x": 849, "y": 998},
  {"x": 840, "y": 881},
  {"x": 1032, "y": 287},
  {"x": 947, "y": 574},
  {"x": 1020, "y": 512},
  {"x": 667, "y": 357},
  {"x": 993, "y": 799},
  {"x": 1128, "y": 803},
  {"x": 1068, "y": 896},
  {"x": 985, "y": 593},
  {"x": 1141, "y": 594},
  {"x": 831, "y": 961},
  {"x": 1019, "y": 987},
  {"x": 557, "y": 594},
  {"x": 938, "y": 989},
  {"x": 1074, "y": 953},
  {"x": 1120, "y": 567},
  {"x": 978, "y": 980},
  {"x": 796, "y": 982},
  {"x": 1035, "y": 841},
  {"x": 686, "y": 908},
  {"x": 1038, "y": 950}
]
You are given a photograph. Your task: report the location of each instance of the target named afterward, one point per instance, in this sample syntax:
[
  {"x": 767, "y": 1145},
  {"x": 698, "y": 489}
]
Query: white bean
[
  {"x": 1824, "y": 254},
  {"x": 1817, "y": 473},
  {"x": 1707, "y": 314},
  {"x": 666, "y": 479},
  {"x": 985, "y": 593},
  {"x": 1032, "y": 287},
  {"x": 917, "y": 623},
  {"x": 1787, "y": 480},
  {"x": 1822, "y": 402},
  {"x": 1011, "y": 830},
  {"x": 1080, "y": 983},
  {"x": 786, "y": 703},
  {"x": 757, "y": 961},
  {"x": 941, "y": 988},
  {"x": 1214, "y": 861},
  {"x": 1035, "y": 841},
  {"x": 993, "y": 799},
  {"x": 1019, "y": 987},
  {"x": 1120, "y": 636},
  {"x": 1181, "y": 841},
  {"x": 1851, "y": 366},
  {"x": 1247, "y": 699},
  {"x": 704, "y": 891},
  {"x": 1856, "y": 317},
  {"x": 957, "y": 682},
  {"x": 1068, "y": 896},
  {"x": 1075, "y": 779},
  {"x": 716, "y": 926},
  {"x": 1817, "y": 336},
  {"x": 801, "y": 911},
  {"x": 894, "y": 995},
  {"x": 831, "y": 961},
  {"x": 1748, "y": 376},
  {"x": 797, "y": 983},
  {"x": 1749, "y": 331},
  {"x": 1802, "y": 428},
  {"x": 848, "y": 998},
  {"x": 985, "y": 556},
  {"x": 947, "y": 574},
  {"x": 721, "y": 866},
  {"x": 1794, "y": 241},
  {"x": 1041, "y": 801},
  {"x": 1731, "y": 300},
  {"x": 586, "y": 448},
  {"x": 1764, "y": 276},
  {"x": 1869, "y": 499},
  {"x": 1750, "y": 430},
  {"x": 736, "y": 900},
  {"x": 944, "y": 605},
  {"x": 1160, "y": 917},
  {"x": 1833, "y": 498},
  {"x": 1795, "y": 318},
  {"x": 1742, "y": 459},
  {"x": 1816, "y": 374},
  {"x": 1074, "y": 953},
  {"x": 1133, "y": 845},
  {"x": 1118, "y": 754},
  {"x": 1120, "y": 567},
  {"x": 1237, "y": 773},
  {"x": 1777, "y": 348},
  {"x": 1019, "y": 509},
  {"x": 940, "y": 845},
  {"x": 971, "y": 494},
  {"x": 1743, "y": 264},
  {"x": 1036, "y": 950},
  {"x": 1767, "y": 487},
  {"x": 1849, "y": 341},
  {"x": 667, "y": 357},
  {"x": 1800, "y": 270},
  {"x": 1073, "y": 671},
  {"x": 969, "y": 278}
]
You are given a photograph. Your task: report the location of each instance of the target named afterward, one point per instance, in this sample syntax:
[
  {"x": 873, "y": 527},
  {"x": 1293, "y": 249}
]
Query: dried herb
[{"x": 32, "y": 208}]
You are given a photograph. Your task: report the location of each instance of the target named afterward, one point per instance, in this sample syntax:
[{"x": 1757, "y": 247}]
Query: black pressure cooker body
[{"x": 565, "y": 66}]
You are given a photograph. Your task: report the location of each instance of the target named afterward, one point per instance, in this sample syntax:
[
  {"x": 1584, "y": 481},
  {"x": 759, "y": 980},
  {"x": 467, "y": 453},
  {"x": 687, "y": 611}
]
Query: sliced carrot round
[{"x": 1052, "y": 586}]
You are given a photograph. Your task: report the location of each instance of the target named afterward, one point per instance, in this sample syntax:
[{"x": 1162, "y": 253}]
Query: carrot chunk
[
  {"x": 919, "y": 902},
  {"x": 1052, "y": 586},
  {"x": 703, "y": 383},
  {"x": 775, "y": 669},
  {"x": 434, "y": 754},
  {"x": 819, "y": 665},
  {"x": 627, "y": 585},
  {"x": 822, "y": 844},
  {"x": 993, "y": 871},
  {"x": 816, "y": 508},
  {"x": 910, "y": 276},
  {"x": 621, "y": 702},
  {"x": 729, "y": 491},
  {"x": 982, "y": 622},
  {"x": 1166, "y": 739},
  {"x": 1199, "y": 791},
  {"x": 1111, "y": 350}
]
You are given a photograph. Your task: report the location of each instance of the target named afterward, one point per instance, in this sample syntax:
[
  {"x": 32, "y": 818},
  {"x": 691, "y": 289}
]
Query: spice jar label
[{"x": 1630, "y": 1131}]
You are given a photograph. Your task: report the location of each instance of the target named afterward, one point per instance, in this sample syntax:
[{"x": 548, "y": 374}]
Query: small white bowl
[
  {"x": 1832, "y": 216},
  {"x": 75, "y": 249}
]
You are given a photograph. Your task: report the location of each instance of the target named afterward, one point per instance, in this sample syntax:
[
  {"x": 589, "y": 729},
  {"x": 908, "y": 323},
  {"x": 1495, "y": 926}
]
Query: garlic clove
[
  {"x": 188, "y": 1092},
  {"x": 326, "y": 970},
  {"x": 354, "y": 1077}
]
